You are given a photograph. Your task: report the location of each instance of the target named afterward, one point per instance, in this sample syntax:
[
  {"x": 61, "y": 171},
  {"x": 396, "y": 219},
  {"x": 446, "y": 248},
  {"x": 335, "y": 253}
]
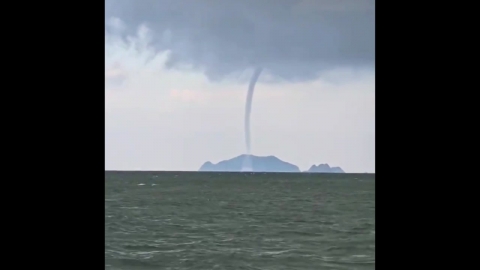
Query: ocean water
[{"x": 197, "y": 220}]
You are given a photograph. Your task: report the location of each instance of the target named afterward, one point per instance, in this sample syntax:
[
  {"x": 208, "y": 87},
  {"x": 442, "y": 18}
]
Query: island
[
  {"x": 252, "y": 163},
  {"x": 324, "y": 168}
]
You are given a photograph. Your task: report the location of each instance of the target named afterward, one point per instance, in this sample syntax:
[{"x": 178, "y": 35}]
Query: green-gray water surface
[{"x": 199, "y": 220}]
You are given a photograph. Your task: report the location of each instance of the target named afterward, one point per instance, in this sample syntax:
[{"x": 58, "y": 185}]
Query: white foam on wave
[
  {"x": 359, "y": 256},
  {"x": 275, "y": 252}
]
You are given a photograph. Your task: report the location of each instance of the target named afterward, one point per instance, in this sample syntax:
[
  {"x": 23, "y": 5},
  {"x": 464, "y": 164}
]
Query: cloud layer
[{"x": 293, "y": 40}]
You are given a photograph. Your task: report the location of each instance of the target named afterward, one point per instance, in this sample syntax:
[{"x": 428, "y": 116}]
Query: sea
[{"x": 217, "y": 220}]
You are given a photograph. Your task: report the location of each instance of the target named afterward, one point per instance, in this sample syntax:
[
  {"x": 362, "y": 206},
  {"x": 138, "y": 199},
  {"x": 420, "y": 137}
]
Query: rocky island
[
  {"x": 324, "y": 168},
  {"x": 262, "y": 164}
]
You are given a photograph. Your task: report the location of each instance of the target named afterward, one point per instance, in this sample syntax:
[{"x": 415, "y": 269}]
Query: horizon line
[{"x": 191, "y": 171}]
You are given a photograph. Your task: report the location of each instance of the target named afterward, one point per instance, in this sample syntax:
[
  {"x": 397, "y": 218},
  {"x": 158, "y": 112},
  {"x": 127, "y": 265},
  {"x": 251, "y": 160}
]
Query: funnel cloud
[
  {"x": 248, "y": 107},
  {"x": 247, "y": 163}
]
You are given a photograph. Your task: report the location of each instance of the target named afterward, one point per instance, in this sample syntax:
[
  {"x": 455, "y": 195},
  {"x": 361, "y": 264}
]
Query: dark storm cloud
[{"x": 292, "y": 39}]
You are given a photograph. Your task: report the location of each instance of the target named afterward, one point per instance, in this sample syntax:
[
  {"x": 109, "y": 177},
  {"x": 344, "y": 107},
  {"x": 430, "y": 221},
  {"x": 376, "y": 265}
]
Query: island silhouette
[{"x": 263, "y": 164}]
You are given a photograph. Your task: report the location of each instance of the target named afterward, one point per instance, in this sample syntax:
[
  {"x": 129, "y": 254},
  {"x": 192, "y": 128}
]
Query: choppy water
[{"x": 172, "y": 220}]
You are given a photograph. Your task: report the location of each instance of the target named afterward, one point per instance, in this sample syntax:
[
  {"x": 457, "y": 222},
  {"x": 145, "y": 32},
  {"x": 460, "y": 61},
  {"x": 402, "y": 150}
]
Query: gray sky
[{"x": 176, "y": 78}]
